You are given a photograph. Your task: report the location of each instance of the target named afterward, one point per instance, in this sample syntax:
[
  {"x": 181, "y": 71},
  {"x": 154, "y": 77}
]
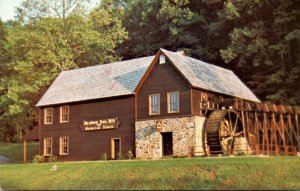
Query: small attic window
[{"x": 162, "y": 59}]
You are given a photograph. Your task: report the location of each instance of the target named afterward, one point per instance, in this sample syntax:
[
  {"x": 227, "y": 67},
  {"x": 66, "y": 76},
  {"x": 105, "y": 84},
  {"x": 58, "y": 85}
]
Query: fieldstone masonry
[{"x": 187, "y": 131}]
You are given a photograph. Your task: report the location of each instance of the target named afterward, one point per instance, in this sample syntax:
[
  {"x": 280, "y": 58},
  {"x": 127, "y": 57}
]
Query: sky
[{"x": 7, "y": 9}]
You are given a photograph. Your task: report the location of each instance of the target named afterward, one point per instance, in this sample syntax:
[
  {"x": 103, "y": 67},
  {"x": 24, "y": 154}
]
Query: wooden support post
[
  {"x": 256, "y": 128},
  {"x": 24, "y": 150},
  {"x": 283, "y": 129},
  {"x": 244, "y": 126},
  {"x": 275, "y": 134},
  {"x": 298, "y": 130},
  {"x": 266, "y": 132},
  {"x": 291, "y": 130}
]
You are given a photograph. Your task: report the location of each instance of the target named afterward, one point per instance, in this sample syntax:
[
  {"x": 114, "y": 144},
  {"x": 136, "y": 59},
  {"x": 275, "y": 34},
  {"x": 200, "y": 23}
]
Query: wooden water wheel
[{"x": 222, "y": 128}]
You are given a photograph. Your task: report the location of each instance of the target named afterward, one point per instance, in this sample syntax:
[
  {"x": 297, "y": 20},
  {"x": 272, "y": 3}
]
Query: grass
[
  {"x": 14, "y": 151},
  {"x": 180, "y": 174}
]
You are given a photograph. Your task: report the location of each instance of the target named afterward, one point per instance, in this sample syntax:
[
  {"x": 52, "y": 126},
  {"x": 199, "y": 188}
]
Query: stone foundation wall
[{"x": 187, "y": 131}]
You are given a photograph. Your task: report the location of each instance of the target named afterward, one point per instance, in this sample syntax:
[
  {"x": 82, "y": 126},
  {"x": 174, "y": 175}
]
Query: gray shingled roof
[
  {"x": 121, "y": 78},
  {"x": 101, "y": 81},
  {"x": 210, "y": 77}
]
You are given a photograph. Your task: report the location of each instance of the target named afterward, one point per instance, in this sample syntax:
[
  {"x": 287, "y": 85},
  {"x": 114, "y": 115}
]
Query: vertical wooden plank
[
  {"x": 24, "y": 151},
  {"x": 282, "y": 129},
  {"x": 256, "y": 132},
  {"x": 192, "y": 104},
  {"x": 266, "y": 133},
  {"x": 135, "y": 105},
  {"x": 298, "y": 131},
  {"x": 244, "y": 127},
  {"x": 275, "y": 134},
  {"x": 291, "y": 130},
  {"x": 40, "y": 125},
  {"x": 297, "y": 124}
]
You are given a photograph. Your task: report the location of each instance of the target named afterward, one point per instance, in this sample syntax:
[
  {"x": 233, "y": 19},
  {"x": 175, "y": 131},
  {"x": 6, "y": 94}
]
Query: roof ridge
[
  {"x": 197, "y": 60},
  {"x": 106, "y": 64}
]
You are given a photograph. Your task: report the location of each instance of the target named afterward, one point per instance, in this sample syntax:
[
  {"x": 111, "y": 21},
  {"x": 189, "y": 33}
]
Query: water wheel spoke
[
  {"x": 238, "y": 134},
  {"x": 226, "y": 126},
  {"x": 222, "y": 127},
  {"x": 224, "y": 140},
  {"x": 235, "y": 124},
  {"x": 230, "y": 122}
]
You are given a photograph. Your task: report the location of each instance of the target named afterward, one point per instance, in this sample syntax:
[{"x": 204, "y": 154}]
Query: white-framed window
[
  {"x": 162, "y": 59},
  {"x": 154, "y": 104},
  {"x": 48, "y": 115},
  {"x": 64, "y": 145},
  {"x": 64, "y": 114},
  {"x": 47, "y": 146},
  {"x": 173, "y": 102}
]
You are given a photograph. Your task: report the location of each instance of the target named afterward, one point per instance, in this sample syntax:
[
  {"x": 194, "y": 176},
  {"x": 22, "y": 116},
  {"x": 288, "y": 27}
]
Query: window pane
[
  {"x": 64, "y": 146},
  {"x": 173, "y": 102},
  {"x": 48, "y": 115},
  {"x": 65, "y": 114},
  {"x": 154, "y": 104}
]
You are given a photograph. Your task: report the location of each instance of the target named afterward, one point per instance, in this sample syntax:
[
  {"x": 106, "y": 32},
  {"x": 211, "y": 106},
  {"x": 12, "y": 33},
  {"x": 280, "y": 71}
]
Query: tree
[
  {"x": 259, "y": 40},
  {"x": 265, "y": 38},
  {"x": 42, "y": 45}
]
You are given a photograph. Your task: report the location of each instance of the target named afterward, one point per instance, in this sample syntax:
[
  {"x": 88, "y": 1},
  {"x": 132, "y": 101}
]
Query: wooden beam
[
  {"x": 24, "y": 151},
  {"x": 283, "y": 132},
  {"x": 275, "y": 134},
  {"x": 257, "y": 142},
  {"x": 266, "y": 133},
  {"x": 292, "y": 130},
  {"x": 192, "y": 103}
]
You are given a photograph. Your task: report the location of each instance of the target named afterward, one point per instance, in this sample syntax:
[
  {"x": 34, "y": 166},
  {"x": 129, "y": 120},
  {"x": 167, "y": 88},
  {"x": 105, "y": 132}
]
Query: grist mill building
[{"x": 151, "y": 105}]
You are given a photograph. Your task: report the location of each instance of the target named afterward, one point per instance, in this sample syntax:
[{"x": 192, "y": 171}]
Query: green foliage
[
  {"x": 38, "y": 159},
  {"x": 130, "y": 154},
  {"x": 39, "y": 45},
  {"x": 52, "y": 158},
  {"x": 14, "y": 151},
  {"x": 265, "y": 36},
  {"x": 230, "y": 173},
  {"x": 259, "y": 40},
  {"x": 104, "y": 156}
]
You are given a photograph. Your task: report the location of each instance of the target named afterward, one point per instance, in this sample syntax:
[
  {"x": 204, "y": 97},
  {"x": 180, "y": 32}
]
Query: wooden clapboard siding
[
  {"x": 90, "y": 145},
  {"x": 163, "y": 79}
]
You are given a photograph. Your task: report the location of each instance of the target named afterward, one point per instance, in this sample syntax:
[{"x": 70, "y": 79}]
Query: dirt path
[{"x": 4, "y": 159}]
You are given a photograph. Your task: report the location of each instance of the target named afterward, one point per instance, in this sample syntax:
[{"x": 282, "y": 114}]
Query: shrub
[
  {"x": 130, "y": 154},
  {"x": 38, "y": 159},
  {"x": 104, "y": 156},
  {"x": 52, "y": 158},
  {"x": 241, "y": 153}
]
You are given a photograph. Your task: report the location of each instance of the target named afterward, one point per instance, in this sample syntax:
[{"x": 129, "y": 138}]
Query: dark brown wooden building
[{"x": 151, "y": 106}]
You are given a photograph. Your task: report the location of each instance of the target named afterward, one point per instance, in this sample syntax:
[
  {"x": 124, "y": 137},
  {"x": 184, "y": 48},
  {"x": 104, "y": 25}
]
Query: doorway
[
  {"x": 115, "y": 148},
  {"x": 167, "y": 142}
]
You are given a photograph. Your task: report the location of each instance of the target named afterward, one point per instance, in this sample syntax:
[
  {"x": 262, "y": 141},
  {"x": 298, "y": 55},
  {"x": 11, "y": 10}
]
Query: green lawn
[
  {"x": 14, "y": 151},
  {"x": 180, "y": 174}
]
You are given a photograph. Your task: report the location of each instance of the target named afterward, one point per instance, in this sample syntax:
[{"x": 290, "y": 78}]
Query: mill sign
[{"x": 101, "y": 124}]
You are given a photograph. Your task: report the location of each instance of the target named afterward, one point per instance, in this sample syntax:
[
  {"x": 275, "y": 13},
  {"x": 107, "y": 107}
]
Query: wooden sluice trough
[{"x": 239, "y": 126}]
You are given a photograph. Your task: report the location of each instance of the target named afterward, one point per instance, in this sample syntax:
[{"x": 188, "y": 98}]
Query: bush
[
  {"x": 130, "y": 154},
  {"x": 104, "y": 156},
  {"x": 241, "y": 153},
  {"x": 38, "y": 159},
  {"x": 52, "y": 158}
]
